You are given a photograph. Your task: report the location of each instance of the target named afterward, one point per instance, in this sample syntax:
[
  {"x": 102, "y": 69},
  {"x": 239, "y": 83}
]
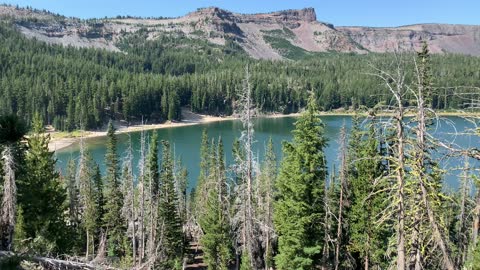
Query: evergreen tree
[
  {"x": 299, "y": 206},
  {"x": 99, "y": 200},
  {"x": 171, "y": 227},
  {"x": 112, "y": 219},
  {"x": 215, "y": 222},
  {"x": 202, "y": 185},
  {"x": 367, "y": 239},
  {"x": 152, "y": 184},
  {"x": 264, "y": 210},
  {"x": 91, "y": 210},
  {"x": 20, "y": 235},
  {"x": 43, "y": 218},
  {"x": 72, "y": 194}
]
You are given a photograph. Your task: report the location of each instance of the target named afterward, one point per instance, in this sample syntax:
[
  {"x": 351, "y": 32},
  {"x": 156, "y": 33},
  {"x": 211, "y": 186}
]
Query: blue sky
[{"x": 338, "y": 12}]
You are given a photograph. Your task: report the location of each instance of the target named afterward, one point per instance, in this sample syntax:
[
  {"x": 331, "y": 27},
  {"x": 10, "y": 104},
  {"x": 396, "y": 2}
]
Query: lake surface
[{"x": 186, "y": 142}]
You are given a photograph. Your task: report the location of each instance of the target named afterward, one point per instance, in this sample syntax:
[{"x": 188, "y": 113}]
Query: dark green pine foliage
[
  {"x": 170, "y": 226},
  {"x": 112, "y": 219},
  {"x": 216, "y": 241},
  {"x": 75, "y": 87},
  {"x": 299, "y": 206},
  {"x": 72, "y": 194},
  {"x": 44, "y": 220},
  {"x": 89, "y": 195},
  {"x": 202, "y": 189},
  {"x": 264, "y": 210},
  {"x": 368, "y": 240},
  {"x": 152, "y": 173},
  {"x": 99, "y": 201}
]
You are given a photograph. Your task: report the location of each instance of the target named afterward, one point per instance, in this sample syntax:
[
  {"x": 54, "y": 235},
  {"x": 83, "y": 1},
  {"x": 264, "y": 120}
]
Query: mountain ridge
[{"x": 273, "y": 35}]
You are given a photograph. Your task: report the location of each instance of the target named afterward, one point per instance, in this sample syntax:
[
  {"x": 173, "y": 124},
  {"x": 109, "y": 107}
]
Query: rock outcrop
[{"x": 260, "y": 35}]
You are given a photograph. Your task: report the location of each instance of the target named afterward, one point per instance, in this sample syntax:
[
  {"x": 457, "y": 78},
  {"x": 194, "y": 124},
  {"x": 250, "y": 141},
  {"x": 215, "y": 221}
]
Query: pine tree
[
  {"x": 171, "y": 227},
  {"x": 215, "y": 222},
  {"x": 89, "y": 210},
  {"x": 202, "y": 189},
  {"x": 20, "y": 235},
  {"x": 129, "y": 210},
  {"x": 72, "y": 194},
  {"x": 266, "y": 183},
  {"x": 181, "y": 183},
  {"x": 44, "y": 220},
  {"x": 152, "y": 184},
  {"x": 367, "y": 240},
  {"x": 300, "y": 188},
  {"x": 99, "y": 200},
  {"x": 112, "y": 219}
]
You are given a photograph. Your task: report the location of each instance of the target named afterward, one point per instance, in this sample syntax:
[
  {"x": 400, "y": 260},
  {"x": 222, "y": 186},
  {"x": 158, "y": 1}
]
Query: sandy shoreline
[{"x": 189, "y": 118}]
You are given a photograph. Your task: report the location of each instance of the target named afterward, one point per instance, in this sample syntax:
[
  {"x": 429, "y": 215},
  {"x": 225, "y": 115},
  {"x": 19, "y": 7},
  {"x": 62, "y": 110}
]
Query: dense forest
[
  {"x": 73, "y": 88},
  {"x": 384, "y": 208}
]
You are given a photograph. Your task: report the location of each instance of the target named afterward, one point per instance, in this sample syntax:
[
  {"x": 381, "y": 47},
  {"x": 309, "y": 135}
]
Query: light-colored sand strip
[{"x": 188, "y": 119}]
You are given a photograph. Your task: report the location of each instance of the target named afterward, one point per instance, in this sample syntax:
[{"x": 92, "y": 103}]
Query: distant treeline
[{"x": 83, "y": 88}]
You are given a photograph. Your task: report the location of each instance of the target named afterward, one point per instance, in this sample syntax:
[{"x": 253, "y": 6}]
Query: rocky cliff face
[
  {"x": 442, "y": 38},
  {"x": 267, "y": 36}
]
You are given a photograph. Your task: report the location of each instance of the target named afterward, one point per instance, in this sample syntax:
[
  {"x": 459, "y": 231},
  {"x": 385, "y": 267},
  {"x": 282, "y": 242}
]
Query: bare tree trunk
[
  {"x": 246, "y": 166},
  {"x": 476, "y": 219},
  {"x": 326, "y": 227},
  {"x": 141, "y": 218},
  {"x": 134, "y": 231},
  {"x": 9, "y": 200},
  {"x": 415, "y": 254},
  {"x": 400, "y": 192},
  {"x": 422, "y": 149},
  {"x": 88, "y": 246},
  {"x": 461, "y": 234},
  {"x": 395, "y": 84},
  {"x": 343, "y": 181}
]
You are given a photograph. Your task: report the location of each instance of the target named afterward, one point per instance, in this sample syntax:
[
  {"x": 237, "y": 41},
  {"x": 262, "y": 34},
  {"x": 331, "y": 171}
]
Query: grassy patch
[
  {"x": 64, "y": 134},
  {"x": 280, "y": 33},
  {"x": 286, "y": 48}
]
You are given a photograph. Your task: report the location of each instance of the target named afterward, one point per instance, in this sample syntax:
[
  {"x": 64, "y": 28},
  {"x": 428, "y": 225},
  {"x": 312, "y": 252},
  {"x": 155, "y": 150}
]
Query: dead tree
[
  {"x": 141, "y": 187},
  {"x": 245, "y": 166},
  {"x": 128, "y": 208},
  {"x": 343, "y": 187},
  {"x": 9, "y": 199},
  {"x": 395, "y": 84},
  {"x": 420, "y": 157}
]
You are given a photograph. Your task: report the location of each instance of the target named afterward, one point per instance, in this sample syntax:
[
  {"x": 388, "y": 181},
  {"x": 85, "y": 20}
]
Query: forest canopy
[{"x": 80, "y": 88}]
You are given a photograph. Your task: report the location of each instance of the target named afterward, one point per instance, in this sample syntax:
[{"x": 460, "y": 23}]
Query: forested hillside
[
  {"x": 83, "y": 88},
  {"x": 384, "y": 207}
]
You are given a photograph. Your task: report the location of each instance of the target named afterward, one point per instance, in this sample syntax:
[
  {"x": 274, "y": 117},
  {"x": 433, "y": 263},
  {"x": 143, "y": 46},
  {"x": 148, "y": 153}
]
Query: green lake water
[{"x": 186, "y": 142}]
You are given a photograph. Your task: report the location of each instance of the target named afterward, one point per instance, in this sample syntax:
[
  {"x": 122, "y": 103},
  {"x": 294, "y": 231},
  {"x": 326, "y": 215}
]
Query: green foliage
[
  {"x": 245, "y": 262},
  {"x": 20, "y": 235},
  {"x": 169, "y": 220},
  {"x": 112, "y": 219},
  {"x": 43, "y": 219},
  {"x": 300, "y": 187},
  {"x": 216, "y": 241},
  {"x": 367, "y": 238},
  {"x": 12, "y": 129},
  {"x": 286, "y": 48}
]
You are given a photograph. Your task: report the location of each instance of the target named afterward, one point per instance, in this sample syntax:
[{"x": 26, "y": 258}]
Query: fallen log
[{"x": 56, "y": 264}]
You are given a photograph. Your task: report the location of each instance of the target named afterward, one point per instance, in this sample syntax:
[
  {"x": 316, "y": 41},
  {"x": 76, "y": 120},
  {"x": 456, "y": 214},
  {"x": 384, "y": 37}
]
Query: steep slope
[
  {"x": 442, "y": 38},
  {"x": 293, "y": 34}
]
